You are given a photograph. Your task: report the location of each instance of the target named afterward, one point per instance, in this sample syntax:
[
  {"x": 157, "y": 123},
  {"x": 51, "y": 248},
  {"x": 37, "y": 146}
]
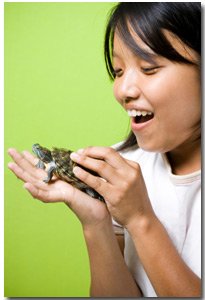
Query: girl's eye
[
  {"x": 117, "y": 72},
  {"x": 150, "y": 70}
]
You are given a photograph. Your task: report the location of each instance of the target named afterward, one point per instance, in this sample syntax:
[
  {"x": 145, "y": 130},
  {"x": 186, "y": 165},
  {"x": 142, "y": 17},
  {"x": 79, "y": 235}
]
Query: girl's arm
[
  {"x": 128, "y": 202},
  {"x": 109, "y": 274}
]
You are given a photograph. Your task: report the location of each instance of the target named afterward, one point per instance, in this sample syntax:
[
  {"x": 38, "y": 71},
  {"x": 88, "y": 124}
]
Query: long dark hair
[{"x": 148, "y": 19}]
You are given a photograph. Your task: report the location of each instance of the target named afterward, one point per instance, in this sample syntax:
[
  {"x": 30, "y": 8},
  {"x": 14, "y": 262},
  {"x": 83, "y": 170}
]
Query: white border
[
  {"x": 2, "y": 124},
  {"x": 2, "y": 149}
]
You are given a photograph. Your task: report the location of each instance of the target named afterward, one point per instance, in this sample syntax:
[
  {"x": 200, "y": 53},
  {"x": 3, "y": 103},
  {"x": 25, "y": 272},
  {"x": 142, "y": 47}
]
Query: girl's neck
[{"x": 185, "y": 160}]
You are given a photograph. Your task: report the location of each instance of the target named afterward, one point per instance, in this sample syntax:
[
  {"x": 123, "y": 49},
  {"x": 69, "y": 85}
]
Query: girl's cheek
[{"x": 116, "y": 92}]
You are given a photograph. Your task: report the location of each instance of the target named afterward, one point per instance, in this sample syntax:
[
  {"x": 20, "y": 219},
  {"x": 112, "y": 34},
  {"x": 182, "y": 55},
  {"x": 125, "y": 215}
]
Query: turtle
[{"x": 58, "y": 162}]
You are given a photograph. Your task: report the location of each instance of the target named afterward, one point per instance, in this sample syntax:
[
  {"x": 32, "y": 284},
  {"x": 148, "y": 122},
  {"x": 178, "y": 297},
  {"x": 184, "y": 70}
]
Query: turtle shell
[
  {"x": 64, "y": 165},
  {"x": 64, "y": 171}
]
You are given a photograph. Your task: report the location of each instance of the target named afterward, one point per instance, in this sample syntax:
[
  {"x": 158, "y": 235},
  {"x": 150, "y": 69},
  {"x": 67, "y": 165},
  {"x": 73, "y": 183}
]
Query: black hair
[{"x": 149, "y": 20}]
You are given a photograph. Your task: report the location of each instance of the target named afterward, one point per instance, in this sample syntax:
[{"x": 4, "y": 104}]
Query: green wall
[{"x": 57, "y": 93}]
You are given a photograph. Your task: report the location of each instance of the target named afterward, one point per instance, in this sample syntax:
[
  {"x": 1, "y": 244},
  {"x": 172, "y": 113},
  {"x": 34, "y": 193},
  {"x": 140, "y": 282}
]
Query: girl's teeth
[{"x": 134, "y": 113}]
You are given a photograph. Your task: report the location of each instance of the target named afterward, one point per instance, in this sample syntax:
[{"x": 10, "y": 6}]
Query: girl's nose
[{"x": 129, "y": 87}]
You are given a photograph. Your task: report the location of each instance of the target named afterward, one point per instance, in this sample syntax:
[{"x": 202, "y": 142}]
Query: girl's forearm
[
  {"x": 109, "y": 274},
  {"x": 167, "y": 271}
]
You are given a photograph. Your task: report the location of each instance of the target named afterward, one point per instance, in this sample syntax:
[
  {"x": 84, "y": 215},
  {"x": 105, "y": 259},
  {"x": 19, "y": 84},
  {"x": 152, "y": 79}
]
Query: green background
[{"x": 57, "y": 93}]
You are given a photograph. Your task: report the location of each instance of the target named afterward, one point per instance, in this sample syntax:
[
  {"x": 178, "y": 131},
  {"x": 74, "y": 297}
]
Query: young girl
[{"x": 151, "y": 183}]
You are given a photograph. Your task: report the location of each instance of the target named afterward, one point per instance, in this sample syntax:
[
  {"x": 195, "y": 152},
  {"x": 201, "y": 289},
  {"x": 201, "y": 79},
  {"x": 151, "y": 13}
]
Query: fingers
[
  {"x": 31, "y": 158},
  {"x": 19, "y": 172},
  {"x": 25, "y": 176},
  {"x": 23, "y": 158},
  {"x": 46, "y": 195},
  {"x": 35, "y": 192},
  {"x": 133, "y": 164},
  {"x": 97, "y": 183},
  {"x": 56, "y": 192},
  {"x": 23, "y": 166},
  {"x": 108, "y": 154},
  {"x": 102, "y": 168},
  {"x": 107, "y": 162}
]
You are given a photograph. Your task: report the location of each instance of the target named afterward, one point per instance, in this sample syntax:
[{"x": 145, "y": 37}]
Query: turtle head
[{"x": 42, "y": 153}]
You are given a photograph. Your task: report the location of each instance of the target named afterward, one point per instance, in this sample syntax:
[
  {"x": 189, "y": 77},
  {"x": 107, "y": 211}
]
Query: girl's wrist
[
  {"x": 141, "y": 224},
  {"x": 98, "y": 228}
]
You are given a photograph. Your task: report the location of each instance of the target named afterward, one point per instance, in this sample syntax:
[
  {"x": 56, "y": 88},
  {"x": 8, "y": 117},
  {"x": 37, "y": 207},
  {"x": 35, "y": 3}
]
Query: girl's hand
[
  {"x": 90, "y": 211},
  {"x": 123, "y": 186}
]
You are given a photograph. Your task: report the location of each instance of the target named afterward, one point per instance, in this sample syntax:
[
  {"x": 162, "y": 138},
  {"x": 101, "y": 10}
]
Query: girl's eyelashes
[
  {"x": 150, "y": 70},
  {"x": 117, "y": 72}
]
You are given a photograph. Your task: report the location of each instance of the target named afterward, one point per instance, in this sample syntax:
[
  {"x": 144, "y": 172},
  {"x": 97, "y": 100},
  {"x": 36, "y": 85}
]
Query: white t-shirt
[{"x": 176, "y": 201}]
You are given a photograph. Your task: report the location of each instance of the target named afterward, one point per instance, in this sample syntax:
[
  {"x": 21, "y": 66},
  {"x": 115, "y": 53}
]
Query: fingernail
[
  {"x": 10, "y": 165},
  {"x": 76, "y": 170},
  {"x": 26, "y": 186},
  {"x": 10, "y": 151},
  {"x": 74, "y": 155}
]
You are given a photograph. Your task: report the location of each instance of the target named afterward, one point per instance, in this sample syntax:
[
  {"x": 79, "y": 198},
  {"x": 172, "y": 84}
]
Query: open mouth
[
  {"x": 140, "y": 116},
  {"x": 143, "y": 119}
]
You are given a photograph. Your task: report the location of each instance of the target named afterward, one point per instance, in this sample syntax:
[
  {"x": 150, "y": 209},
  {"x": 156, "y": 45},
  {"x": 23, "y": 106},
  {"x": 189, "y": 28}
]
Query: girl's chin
[{"x": 151, "y": 148}]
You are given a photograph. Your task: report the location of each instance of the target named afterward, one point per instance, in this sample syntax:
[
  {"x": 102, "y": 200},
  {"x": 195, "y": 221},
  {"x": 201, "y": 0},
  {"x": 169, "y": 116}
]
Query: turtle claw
[
  {"x": 40, "y": 165},
  {"x": 46, "y": 180}
]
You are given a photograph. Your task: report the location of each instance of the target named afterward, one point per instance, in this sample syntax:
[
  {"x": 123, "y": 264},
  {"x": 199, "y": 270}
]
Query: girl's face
[{"x": 162, "y": 98}]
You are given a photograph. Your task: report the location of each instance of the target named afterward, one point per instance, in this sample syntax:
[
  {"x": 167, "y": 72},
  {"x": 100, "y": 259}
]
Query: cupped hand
[
  {"x": 89, "y": 211},
  {"x": 123, "y": 187}
]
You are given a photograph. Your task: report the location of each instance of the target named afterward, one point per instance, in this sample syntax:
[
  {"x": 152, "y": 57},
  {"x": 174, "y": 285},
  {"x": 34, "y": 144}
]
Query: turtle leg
[
  {"x": 40, "y": 165},
  {"x": 50, "y": 174}
]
